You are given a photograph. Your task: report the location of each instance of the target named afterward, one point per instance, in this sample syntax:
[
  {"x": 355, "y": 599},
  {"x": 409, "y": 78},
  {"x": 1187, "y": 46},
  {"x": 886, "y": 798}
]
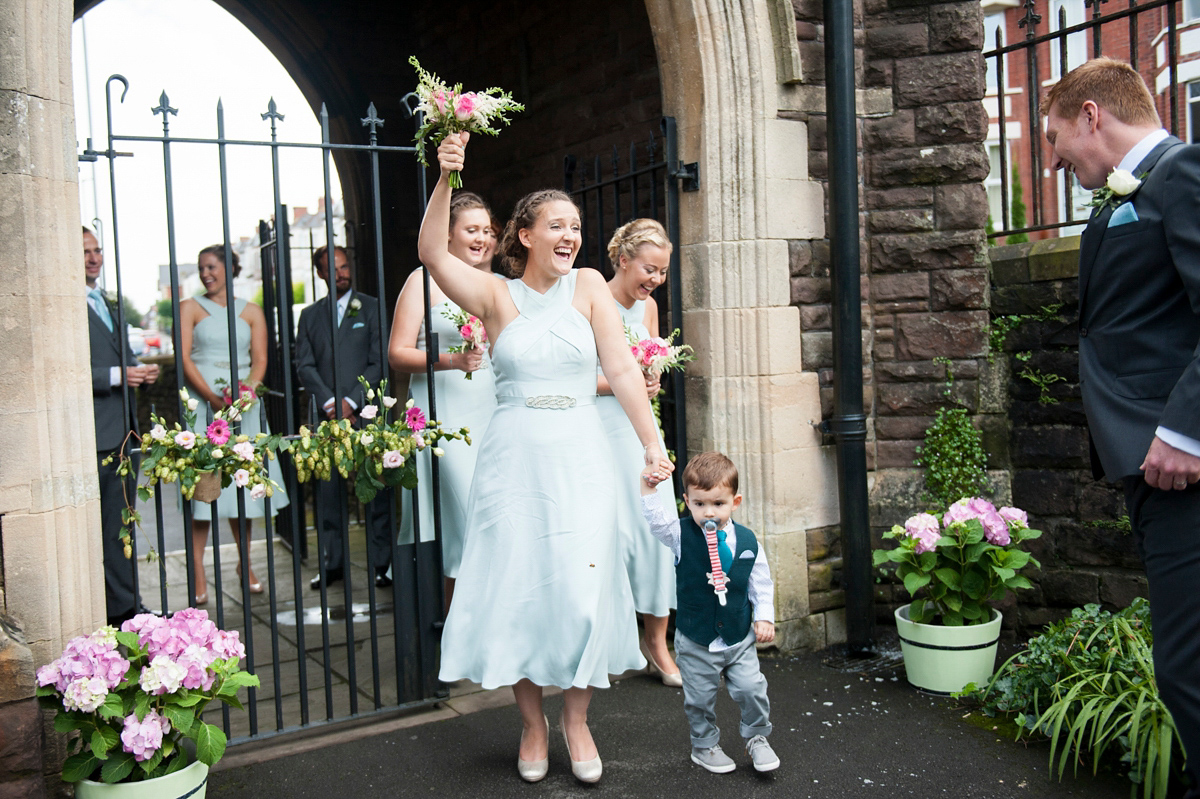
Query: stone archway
[{"x": 748, "y": 394}]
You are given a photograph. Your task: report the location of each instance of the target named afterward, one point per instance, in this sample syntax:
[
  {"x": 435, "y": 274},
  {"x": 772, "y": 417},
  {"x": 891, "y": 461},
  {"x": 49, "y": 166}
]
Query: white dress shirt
[
  {"x": 760, "y": 588},
  {"x": 1132, "y": 158}
]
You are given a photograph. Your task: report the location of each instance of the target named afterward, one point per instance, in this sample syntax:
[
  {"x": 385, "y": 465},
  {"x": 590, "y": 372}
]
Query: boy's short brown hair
[
  {"x": 1113, "y": 85},
  {"x": 710, "y": 470}
]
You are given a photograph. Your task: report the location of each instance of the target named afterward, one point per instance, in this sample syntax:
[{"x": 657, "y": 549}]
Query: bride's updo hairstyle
[
  {"x": 632, "y": 236},
  {"x": 218, "y": 251},
  {"x": 463, "y": 200},
  {"x": 525, "y": 214}
]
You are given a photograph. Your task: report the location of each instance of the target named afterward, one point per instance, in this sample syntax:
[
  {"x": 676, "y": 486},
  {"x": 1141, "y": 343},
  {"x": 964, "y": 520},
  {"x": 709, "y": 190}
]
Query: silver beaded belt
[{"x": 551, "y": 402}]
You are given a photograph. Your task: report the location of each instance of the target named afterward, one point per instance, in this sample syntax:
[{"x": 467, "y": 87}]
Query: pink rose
[
  {"x": 241, "y": 478},
  {"x": 258, "y": 491},
  {"x": 392, "y": 459},
  {"x": 925, "y": 529},
  {"x": 464, "y": 106},
  {"x": 1015, "y": 516},
  {"x": 439, "y": 101}
]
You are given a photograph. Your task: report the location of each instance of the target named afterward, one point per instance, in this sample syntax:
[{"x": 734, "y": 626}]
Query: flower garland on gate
[
  {"x": 134, "y": 694},
  {"x": 379, "y": 453},
  {"x": 180, "y": 454}
]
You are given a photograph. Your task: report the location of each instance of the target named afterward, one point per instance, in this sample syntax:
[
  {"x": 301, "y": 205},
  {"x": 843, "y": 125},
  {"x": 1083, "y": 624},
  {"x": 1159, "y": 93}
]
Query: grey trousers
[{"x": 702, "y": 670}]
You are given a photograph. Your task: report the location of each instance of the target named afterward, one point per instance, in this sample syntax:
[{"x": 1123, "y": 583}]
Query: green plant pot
[
  {"x": 187, "y": 783},
  {"x": 941, "y": 660}
]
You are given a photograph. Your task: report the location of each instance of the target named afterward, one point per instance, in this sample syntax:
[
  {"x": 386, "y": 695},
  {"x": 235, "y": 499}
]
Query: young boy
[{"x": 725, "y": 603}]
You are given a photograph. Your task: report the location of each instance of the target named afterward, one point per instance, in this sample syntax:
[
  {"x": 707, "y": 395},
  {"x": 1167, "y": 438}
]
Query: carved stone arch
[{"x": 748, "y": 394}]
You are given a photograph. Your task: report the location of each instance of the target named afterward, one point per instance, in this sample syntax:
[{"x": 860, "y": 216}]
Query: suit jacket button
[{"x": 1083, "y": 332}]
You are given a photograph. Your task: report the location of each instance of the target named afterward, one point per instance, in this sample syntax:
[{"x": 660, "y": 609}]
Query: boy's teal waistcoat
[{"x": 700, "y": 616}]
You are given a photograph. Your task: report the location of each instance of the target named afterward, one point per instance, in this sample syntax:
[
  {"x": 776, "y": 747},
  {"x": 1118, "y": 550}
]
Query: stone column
[
  {"x": 748, "y": 395},
  {"x": 51, "y": 575}
]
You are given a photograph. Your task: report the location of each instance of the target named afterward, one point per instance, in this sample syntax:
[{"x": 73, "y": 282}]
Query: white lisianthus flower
[
  {"x": 366, "y": 439},
  {"x": 411, "y": 402},
  {"x": 158, "y": 433},
  {"x": 218, "y": 453},
  {"x": 369, "y": 411},
  {"x": 388, "y": 402},
  {"x": 259, "y": 491},
  {"x": 193, "y": 404},
  {"x": 1122, "y": 182},
  {"x": 241, "y": 478},
  {"x": 183, "y": 394},
  {"x": 438, "y": 451},
  {"x": 185, "y": 439},
  {"x": 392, "y": 459},
  {"x": 370, "y": 393},
  {"x": 244, "y": 450}
]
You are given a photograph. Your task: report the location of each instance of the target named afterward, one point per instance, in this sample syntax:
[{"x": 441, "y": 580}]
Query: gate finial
[
  {"x": 164, "y": 108},
  {"x": 373, "y": 120}
]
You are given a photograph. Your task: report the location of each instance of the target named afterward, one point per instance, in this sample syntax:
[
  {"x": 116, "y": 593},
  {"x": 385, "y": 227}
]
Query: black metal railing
[
  {"x": 415, "y": 598},
  {"x": 1041, "y": 57},
  {"x": 609, "y": 194}
]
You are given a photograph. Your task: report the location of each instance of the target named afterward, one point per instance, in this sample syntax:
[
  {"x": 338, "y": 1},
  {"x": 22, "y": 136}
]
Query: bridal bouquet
[
  {"x": 244, "y": 391},
  {"x": 470, "y": 328},
  {"x": 451, "y": 110},
  {"x": 378, "y": 454},
  {"x": 657, "y": 355},
  {"x": 134, "y": 694}
]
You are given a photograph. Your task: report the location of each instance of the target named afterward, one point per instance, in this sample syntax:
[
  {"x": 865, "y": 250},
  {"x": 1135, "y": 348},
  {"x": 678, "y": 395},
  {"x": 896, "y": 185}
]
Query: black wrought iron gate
[
  {"x": 359, "y": 650},
  {"x": 648, "y": 185}
]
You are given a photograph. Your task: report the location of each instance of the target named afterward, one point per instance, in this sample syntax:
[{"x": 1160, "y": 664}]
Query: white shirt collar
[{"x": 1141, "y": 150}]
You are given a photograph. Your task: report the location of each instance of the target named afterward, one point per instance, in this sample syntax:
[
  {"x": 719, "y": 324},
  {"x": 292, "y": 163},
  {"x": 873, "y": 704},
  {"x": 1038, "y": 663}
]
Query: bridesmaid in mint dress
[
  {"x": 641, "y": 255},
  {"x": 542, "y": 597},
  {"x": 460, "y": 402},
  {"x": 204, "y": 340}
]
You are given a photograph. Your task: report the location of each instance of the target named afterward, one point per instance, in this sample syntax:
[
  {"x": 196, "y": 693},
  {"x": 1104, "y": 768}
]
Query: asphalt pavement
[{"x": 837, "y": 733}]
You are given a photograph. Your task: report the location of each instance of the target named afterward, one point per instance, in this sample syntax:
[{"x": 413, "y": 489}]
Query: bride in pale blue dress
[
  {"x": 542, "y": 595},
  {"x": 460, "y": 402},
  {"x": 204, "y": 342}
]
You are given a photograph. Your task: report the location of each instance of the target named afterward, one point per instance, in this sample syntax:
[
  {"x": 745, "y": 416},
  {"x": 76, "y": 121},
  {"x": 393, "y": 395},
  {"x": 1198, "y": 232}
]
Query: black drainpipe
[{"x": 849, "y": 425}]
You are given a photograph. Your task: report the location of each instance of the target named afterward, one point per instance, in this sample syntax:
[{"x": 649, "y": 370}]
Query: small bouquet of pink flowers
[
  {"x": 470, "y": 328},
  {"x": 451, "y": 110},
  {"x": 657, "y": 355},
  {"x": 245, "y": 391},
  {"x": 961, "y": 559},
  {"x": 134, "y": 694}
]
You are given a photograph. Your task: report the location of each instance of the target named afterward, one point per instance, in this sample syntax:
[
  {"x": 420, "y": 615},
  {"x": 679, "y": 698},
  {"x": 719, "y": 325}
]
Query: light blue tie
[
  {"x": 101, "y": 307},
  {"x": 724, "y": 552}
]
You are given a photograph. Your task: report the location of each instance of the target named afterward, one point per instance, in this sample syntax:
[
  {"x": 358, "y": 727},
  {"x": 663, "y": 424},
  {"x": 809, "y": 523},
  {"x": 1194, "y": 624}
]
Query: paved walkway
[{"x": 837, "y": 734}]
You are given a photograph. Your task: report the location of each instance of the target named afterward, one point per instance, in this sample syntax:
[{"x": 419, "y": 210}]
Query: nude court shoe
[
  {"x": 670, "y": 680},
  {"x": 584, "y": 770},
  {"x": 534, "y": 770}
]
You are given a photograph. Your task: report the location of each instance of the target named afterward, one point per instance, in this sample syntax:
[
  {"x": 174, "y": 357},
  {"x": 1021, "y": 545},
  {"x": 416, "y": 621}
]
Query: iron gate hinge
[{"x": 688, "y": 176}]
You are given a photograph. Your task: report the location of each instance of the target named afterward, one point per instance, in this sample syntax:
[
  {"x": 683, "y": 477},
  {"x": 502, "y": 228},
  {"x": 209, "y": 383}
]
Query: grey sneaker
[
  {"x": 761, "y": 753},
  {"x": 715, "y": 760}
]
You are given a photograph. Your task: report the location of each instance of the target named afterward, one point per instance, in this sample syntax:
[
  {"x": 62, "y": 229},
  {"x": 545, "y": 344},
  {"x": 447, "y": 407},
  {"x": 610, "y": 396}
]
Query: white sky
[{"x": 197, "y": 53}]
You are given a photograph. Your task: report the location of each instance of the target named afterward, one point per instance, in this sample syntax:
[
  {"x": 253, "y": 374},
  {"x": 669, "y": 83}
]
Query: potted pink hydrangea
[
  {"x": 128, "y": 698},
  {"x": 953, "y": 565}
]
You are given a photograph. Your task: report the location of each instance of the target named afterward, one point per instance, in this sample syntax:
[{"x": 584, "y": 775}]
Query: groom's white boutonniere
[
  {"x": 1120, "y": 184},
  {"x": 355, "y": 305}
]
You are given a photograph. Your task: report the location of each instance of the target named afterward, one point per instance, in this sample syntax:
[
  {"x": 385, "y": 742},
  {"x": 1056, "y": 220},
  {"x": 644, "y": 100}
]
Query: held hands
[
  {"x": 137, "y": 375},
  {"x": 451, "y": 153},
  {"x": 764, "y": 632},
  {"x": 653, "y": 386},
  {"x": 658, "y": 468},
  {"x": 468, "y": 360},
  {"x": 1168, "y": 468}
]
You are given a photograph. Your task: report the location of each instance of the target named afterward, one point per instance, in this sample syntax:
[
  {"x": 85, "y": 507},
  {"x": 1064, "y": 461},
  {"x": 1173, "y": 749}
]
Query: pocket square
[
  {"x": 1124, "y": 214},
  {"x": 746, "y": 554},
  {"x": 358, "y": 325}
]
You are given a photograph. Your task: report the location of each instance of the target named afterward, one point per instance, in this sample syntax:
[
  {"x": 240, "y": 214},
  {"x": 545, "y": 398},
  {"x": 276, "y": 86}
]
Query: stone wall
[
  {"x": 925, "y": 284},
  {"x": 21, "y": 731},
  {"x": 1085, "y": 555}
]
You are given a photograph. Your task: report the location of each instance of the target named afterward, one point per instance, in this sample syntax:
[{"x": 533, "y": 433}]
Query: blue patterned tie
[
  {"x": 724, "y": 551},
  {"x": 101, "y": 307}
]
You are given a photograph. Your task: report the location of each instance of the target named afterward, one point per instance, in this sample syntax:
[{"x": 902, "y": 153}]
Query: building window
[
  {"x": 994, "y": 188},
  {"x": 1193, "y": 112},
  {"x": 993, "y": 24},
  {"x": 1076, "y": 42},
  {"x": 1191, "y": 10}
]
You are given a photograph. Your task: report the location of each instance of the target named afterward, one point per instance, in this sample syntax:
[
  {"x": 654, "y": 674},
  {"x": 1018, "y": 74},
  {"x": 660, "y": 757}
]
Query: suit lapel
[
  {"x": 102, "y": 330},
  {"x": 346, "y": 323},
  {"x": 1097, "y": 226}
]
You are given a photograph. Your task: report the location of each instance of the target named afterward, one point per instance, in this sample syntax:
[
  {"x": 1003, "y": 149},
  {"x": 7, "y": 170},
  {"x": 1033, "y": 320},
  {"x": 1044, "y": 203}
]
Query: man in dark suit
[
  {"x": 1139, "y": 327},
  {"x": 357, "y": 353},
  {"x": 109, "y": 378}
]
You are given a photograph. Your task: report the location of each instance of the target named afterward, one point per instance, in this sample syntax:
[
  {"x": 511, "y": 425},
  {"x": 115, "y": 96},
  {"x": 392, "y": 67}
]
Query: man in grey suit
[
  {"x": 109, "y": 378},
  {"x": 1139, "y": 329},
  {"x": 357, "y": 353}
]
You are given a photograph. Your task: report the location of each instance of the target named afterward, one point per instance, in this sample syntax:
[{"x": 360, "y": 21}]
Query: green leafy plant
[
  {"x": 1041, "y": 380},
  {"x": 1017, "y": 210},
  {"x": 960, "y": 560},
  {"x": 1087, "y": 683},
  {"x": 953, "y": 457}
]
